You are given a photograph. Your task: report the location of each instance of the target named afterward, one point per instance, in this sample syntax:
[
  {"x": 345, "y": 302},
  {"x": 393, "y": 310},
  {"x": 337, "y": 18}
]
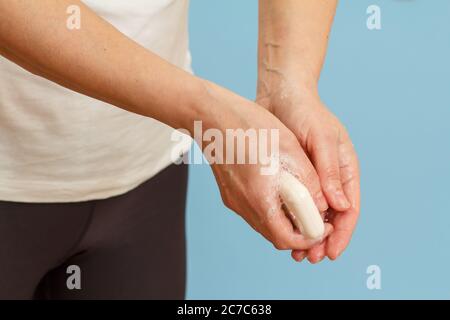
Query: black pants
[{"x": 127, "y": 247}]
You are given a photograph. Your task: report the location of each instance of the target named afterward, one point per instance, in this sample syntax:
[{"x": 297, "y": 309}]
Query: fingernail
[{"x": 313, "y": 261}]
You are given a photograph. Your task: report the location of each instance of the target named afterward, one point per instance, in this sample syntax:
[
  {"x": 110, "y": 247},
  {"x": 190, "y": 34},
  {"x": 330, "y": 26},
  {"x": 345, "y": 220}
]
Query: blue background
[{"x": 391, "y": 89}]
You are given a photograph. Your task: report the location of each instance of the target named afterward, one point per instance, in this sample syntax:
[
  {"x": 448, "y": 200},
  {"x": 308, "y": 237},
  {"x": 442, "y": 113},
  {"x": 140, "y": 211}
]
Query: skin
[
  {"x": 292, "y": 45},
  {"x": 100, "y": 62}
]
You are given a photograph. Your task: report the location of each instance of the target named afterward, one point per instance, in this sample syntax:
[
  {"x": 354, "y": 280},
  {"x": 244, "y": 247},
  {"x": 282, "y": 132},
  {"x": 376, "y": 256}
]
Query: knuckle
[
  {"x": 331, "y": 173},
  {"x": 226, "y": 199},
  {"x": 329, "y": 136},
  {"x": 332, "y": 185},
  {"x": 280, "y": 244}
]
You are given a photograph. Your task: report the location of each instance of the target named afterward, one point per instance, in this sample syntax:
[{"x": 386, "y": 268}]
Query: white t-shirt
[{"x": 60, "y": 146}]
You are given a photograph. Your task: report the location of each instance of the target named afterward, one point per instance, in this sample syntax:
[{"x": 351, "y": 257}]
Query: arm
[
  {"x": 293, "y": 37},
  {"x": 293, "y": 40},
  {"x": 95, "y": 60},
  {"x": 99, "y": 61}
]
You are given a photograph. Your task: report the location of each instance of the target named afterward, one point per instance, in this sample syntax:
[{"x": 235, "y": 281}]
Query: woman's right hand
[{"x": 243, "y": 187}]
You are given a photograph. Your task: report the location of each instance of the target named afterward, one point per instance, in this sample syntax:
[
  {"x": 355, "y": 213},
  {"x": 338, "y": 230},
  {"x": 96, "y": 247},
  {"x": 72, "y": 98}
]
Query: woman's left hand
[{"x": 331, "y": 151}]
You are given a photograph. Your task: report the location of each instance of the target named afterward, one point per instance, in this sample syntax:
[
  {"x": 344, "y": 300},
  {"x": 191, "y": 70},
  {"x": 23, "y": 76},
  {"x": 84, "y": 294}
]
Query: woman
[{"x": 90, "y": 187}]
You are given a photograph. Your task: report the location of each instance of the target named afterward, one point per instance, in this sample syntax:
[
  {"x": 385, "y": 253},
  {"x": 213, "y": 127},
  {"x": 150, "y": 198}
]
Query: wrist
[
  {"x": 278, "y": 73},
  {"x": 201, "y": 105},
  {"x": 272, "y": 92},
  {"x": 215, "y": 106}
]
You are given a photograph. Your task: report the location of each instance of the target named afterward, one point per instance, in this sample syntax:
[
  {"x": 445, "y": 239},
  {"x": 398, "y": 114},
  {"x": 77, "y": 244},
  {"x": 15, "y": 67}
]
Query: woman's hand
[
  {"x": 331, "y": 151},
  {"x": 244, "y": 189}
]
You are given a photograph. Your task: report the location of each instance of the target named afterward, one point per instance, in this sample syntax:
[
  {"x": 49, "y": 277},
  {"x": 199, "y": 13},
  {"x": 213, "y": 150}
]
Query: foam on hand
[{"x": 300, "y": 204}]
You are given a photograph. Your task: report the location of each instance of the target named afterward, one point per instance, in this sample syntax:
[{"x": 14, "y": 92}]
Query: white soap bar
[{"x": 299, "y": 202}]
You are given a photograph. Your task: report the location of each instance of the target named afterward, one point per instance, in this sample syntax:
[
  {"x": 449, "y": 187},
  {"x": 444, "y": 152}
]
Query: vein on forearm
[{"x": 293, "y": 36}]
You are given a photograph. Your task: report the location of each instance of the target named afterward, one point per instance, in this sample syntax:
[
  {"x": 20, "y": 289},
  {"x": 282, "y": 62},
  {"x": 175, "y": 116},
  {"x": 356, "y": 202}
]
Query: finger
[
  {"x": 299, "y": 255},
  {"x": 317, "y": 253},
  {"x": 325, "y": 157},
  {"x": 345, "y": 222},
  {"x": 284, "y": 236},
  {"x": 350, "y": 176}
]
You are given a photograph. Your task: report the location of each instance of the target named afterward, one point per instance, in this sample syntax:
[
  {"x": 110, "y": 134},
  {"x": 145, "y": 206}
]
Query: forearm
[
  {"x": 97, "y": 60},
  {"x": 293, "y": 37}
]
